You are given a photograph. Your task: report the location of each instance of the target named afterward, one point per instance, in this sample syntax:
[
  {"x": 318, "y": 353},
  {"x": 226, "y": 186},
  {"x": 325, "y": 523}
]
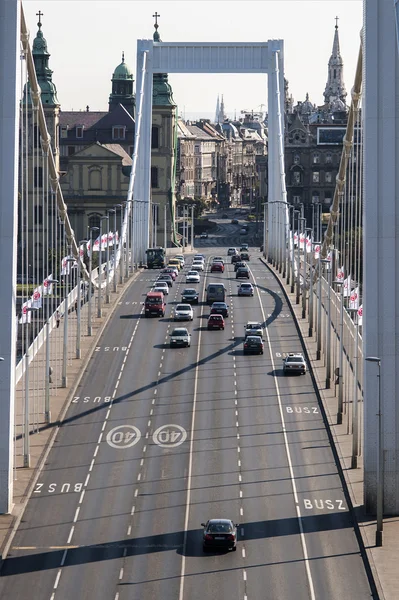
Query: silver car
[
  {"x": 246, "y": 289},
  {"x": 180, "y": 337},
  {"x": 294, "y": 363}
]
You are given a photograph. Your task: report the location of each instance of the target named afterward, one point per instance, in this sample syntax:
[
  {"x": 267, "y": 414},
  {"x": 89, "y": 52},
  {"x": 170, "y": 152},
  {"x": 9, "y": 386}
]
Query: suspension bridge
[{"x": 344, "y": 281}]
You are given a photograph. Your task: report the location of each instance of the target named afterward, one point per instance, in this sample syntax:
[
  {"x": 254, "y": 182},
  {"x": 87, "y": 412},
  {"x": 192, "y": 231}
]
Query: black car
[
  {"x": 235, "y": 259},
  {"x": 220, "y": 308},
  {"x": 234, "y": 221},
  {"x": 238, "y": 264},
  {"x": 190, "y": 295},
  {"x": 242, "y": 272},
  {"x": 244, "y": 256},
  {"x": 219, "y": 533},
  {"x": 253, "y": 343},
  {"x": 224, "y": 216}
]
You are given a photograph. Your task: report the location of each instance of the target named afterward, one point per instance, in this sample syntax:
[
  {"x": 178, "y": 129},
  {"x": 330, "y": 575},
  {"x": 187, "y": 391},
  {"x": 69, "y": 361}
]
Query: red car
[
  {"x": 169, "y": 272},
  {"x": 215, "y": 322},
  {"x": 217, "y": 266}
]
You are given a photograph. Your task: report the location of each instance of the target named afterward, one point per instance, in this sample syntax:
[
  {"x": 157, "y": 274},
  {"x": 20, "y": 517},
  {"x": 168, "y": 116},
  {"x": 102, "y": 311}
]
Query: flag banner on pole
[
  {"x": 317, "y": 251},
  {"x": 354, "y": 299},
  {"x": 48, "y": 287},
  {"x": 66, "y": 265},
  {"x": 360, "y": 315},
  {"x": 25, "y": 314},
  {"x": 302, "y": 242},
  {"x": 308, "y": 245},
  {"x": 82, "y": 251},
  {"x": 347, "y": 287},
  {"x": 340, "y": 274},
  {"x": 296, "y": 239},
  {"x": 37, "y": 298}
]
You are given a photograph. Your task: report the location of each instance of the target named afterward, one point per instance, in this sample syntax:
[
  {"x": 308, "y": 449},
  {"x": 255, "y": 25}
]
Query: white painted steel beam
[
  {"x": 381, "y": 248},
  {"x": 9, "y": 125}
]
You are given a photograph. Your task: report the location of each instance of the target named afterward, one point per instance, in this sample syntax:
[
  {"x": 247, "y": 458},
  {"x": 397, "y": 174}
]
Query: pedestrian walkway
[
  {"x": 383, "y": 560},
  {"x": 42, "y": 434}
]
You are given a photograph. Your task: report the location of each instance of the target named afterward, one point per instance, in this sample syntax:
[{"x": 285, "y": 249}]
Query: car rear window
[
  {"x": 294, "y": 359},
  {"x": 219, "y": 527}
]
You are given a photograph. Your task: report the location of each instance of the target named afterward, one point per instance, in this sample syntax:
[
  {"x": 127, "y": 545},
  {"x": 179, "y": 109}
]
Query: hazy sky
[{"x": 86, "y": 38}]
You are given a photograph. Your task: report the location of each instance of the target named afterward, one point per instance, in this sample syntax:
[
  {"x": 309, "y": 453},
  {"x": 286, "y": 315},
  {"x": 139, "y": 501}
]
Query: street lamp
[
  {"x": 380, "y": 481},
  {"x": 69, "y": 259},
  {"x": 89, "y": 326},
  {"x": 305, "y": 255},
  {"x": 26, "y": 449},
  {"x": 355, "y": 415},
  {"x": 328, "y": 342},
  {"x": 47, "y": 414},
  {"x": 341, "y": 356},
  {"x": 301, "y": 229},
  {"x": 293, "y": 278},
  {"x": 99, "y": 308},
  {"x": 115, "y": 232},
  {"x": 78, "y": 305}
]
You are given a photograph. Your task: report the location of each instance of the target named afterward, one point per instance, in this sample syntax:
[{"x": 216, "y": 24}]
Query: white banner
[
  {"x": 308, "y": 245},
  {"x": 354, "y": 299},
  {"x": 340, "y": 274},
  {"x": 360, "y": 315},
  {"x": 317, "y": 251},
  {"x": 302, "y": 241},
  {"x": 25, "y": 314},
  {"x": 347, "y": 287},
  {"x": 48, "y": 287},
  {"x": 296, "y": 239},
  {"x": 37, "y": 298},
  {"x": 66, "y": 265}
]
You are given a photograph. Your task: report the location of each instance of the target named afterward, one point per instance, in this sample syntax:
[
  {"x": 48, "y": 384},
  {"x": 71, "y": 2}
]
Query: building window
[
  {"x": 296, "y": 199},
  {"x": 94, "y": 221},
  {"x": 297, "y": 159},
  {"x": 36, "y": 137},
  {"x": 71, "y": 150},
  {"x": 296, "y": 177},
  {"x": 315, "y": 197},
  {"x": 155, "y": 137},
  {"x": 38, "y": 215},
  {"x": 327, "y": 198},
  {"x": 79, "y": 131},
  {"x": 329, "y": 158},
  {"x": 328, "y": 177},
  {"x": 38, "y": 177},
  {"x": 95, "y": 179},
  {"x": 316, "y": 177},
  {"x": 64, "y": 132},
  {"x": 316, "y": 158},
  {"x": 154, "y": 177},
  {"x": 118, "y": 133}
]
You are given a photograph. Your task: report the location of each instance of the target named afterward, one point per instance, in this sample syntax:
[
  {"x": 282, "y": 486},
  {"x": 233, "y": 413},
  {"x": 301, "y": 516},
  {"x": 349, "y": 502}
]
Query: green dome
[{"x": 122, "y": 71}]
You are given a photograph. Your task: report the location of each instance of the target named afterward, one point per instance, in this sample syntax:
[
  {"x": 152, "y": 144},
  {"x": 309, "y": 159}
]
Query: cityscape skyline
[{"x": 83, "y": 77}]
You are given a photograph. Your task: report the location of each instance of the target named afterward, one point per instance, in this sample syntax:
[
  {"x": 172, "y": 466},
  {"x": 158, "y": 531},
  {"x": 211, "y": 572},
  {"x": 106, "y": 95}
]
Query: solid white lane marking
[{"x": 288, "y": 452}]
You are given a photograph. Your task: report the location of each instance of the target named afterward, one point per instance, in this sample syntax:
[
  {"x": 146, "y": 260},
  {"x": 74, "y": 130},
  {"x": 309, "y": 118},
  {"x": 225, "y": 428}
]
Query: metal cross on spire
[
  {"x": 336, "y": 22},
  {"x": 156, "y": 15},
  {"x": 39, "y": 14}
]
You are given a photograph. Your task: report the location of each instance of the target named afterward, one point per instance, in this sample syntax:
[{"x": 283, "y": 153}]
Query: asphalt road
[{"x": 117, "y": 510}]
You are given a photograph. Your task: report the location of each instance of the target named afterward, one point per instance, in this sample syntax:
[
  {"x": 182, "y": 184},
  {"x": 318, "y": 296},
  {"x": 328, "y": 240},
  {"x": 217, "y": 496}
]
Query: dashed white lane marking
[
  {"x": 243, "y": 552},
  {"x": 121, "y": 573},
  {"x": 70, "y": 534},
  {"x": 129, "y": 530},
  {"x": 76, "y": 514},
  {"x": 244, "y": 574}
]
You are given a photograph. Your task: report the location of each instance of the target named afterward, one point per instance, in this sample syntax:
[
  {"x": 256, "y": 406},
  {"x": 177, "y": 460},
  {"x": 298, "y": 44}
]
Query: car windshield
[
  {"x": 246, "y": 285},
  {"x": 153, "y": 300},
  {"x": 183, "y": 307},
  {"x": 219, "y": 527},
  {"x": 253, "y": 326},
  {"x": 189, "y": 292},
  {"x": 179, "y": 332},
  {"x": 192, "y": 273}
]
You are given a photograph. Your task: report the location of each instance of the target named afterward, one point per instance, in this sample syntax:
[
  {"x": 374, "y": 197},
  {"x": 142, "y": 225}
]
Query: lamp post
[
  {"x": 120, "y": 247},
  {"x": 89, "y": 314},
  {"x": 380, "y": 480},
  {"x": 294, "y": 212},
  {"x": 47, "y": 414},
  {"x": 318, "y": 350},
  {"x": 26, "y": 405},
  {"x": 129, "y": 204},
  {"x": 112, "y": 211},
  {"x": 99, "y": 307},
  {"x": 305, "y": 256},
  {"x": 301, "y": 221},
  {"x": 328, "y": 342},
  {"x": 78, "y": 305},
  {"x": 290, "y": 244},
  {"x": 355, "y": 413},
  {"x": 65, "y": 340},
  {"x": 341, "y": 356}
]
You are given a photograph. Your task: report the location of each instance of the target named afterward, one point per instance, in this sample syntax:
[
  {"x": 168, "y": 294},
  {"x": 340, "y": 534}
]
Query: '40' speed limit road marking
[
  {"x": 123, "y": 436},
  {"x": 169, "y": 436}
]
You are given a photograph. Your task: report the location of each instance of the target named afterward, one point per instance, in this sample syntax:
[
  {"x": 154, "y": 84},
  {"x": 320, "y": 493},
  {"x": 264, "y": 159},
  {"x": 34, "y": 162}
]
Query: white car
[
  {"x": 183, "y": 312},
  {"x": 181, "y": 258},
  {"x": 199, "y": 257},
  {"x": 161, "y": 286},
  {"x": 193, "y": 277},
  {"x": 218, "y": 259},
  {"x": 180, "y": 337},
  {"x": 197, "y": 266}
]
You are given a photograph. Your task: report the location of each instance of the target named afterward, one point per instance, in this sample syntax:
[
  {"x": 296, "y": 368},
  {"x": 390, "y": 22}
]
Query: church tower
[
  {"x": 163, "y": 151},
  {"x": 122, "y": 88},
  {"x": 335, "y": 87}
]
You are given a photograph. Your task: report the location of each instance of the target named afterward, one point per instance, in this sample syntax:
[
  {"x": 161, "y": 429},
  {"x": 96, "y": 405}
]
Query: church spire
[
  {"x": 161, "y": 88},
  {"x": 335, "y": 87},
  {"x": 217, "y": 117},
  {"x": 43, "y": 72}
]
